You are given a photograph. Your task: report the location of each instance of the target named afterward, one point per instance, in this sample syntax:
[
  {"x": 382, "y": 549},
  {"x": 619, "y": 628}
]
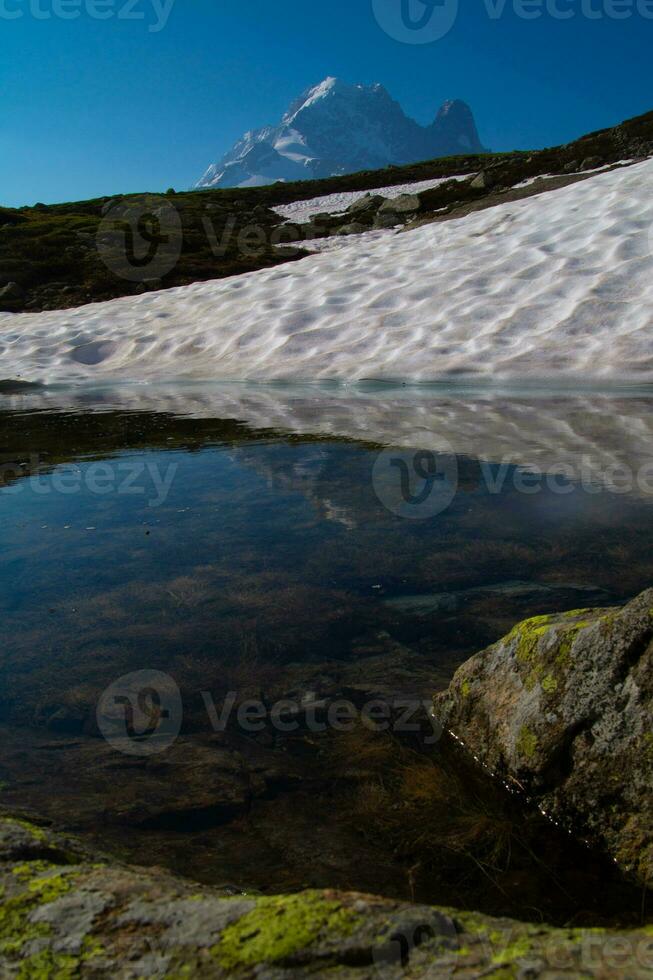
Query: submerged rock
[
  {"x": 436, "y": 602},
  {"x": 564, "y": 706},
  {"x": 66, "y": 914}
]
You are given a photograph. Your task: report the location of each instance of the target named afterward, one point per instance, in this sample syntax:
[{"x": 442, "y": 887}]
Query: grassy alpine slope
[{"x": 55, "y": 257}]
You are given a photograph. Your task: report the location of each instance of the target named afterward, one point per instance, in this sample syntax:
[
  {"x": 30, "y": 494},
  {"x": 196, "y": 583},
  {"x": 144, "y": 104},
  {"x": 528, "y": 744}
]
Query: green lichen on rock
[
  {"x": 566, "y": 642},
  {"x": 527, "y": 742},
  {"x": 28, "y": 870},
  {"x": 112, "y": 922},
  {"x": 49, "y": 966},
  {"x": 527, "y": 636},
  {"x": 575, "y": 613},
  {"x": 279, "y": 928},
  {"x": 512, "y": 952},
  {"x": 15, "y": 926},
  {"x": 563, "y": 704},
  {"x": 37, "y": 833}
]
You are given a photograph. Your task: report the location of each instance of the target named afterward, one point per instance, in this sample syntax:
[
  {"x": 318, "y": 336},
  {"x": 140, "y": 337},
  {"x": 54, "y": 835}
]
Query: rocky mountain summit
[{"x": 335, "y": 128}]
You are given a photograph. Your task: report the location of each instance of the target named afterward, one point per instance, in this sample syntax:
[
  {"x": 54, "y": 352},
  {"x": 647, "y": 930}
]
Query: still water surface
[{"x": 250, "y": 540}]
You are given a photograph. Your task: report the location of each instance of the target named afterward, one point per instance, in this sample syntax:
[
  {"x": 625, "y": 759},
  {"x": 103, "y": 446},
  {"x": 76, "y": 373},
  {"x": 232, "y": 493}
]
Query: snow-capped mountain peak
[
  {"x": 337, "y": 128},
  {"x": 314, "y": 95}
]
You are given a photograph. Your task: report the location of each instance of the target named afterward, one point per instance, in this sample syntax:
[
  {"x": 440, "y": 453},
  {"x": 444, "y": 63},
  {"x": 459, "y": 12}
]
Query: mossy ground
[
  {"x": 52, "y": 253},
  {"x": 279, "y": 928},
  {"x": 326, "y": 933},
  {"x": 16, "y": 930}
]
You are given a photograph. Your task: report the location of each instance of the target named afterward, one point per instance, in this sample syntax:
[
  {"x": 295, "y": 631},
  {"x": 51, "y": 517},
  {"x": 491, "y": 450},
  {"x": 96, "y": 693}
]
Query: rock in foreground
[
  {"x": 65, "y": 915},
  {"x": 563, "y": 705}
]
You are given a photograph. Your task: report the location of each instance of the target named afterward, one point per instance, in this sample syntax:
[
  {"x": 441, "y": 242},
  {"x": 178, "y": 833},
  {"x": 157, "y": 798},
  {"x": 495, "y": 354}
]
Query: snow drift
[{"x": 555, "y": 286}]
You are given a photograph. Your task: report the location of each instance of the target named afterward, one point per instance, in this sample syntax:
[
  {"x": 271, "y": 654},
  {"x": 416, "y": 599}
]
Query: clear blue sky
[{"x": 93, "y": 107}]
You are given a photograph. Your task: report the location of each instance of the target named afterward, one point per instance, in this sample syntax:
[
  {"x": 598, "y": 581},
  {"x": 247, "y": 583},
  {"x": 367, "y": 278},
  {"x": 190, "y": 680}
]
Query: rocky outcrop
[
  {"x": 563, "y": 707},
  {"x": 66, "y": 914},
  {"x": 505, "y": 180},
  {"x": 11, "y": 297}
]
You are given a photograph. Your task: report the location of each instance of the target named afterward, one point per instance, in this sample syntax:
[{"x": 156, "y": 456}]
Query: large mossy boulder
[
  {"x": 66, "y": 914},
  {"x": 563, "y": 707}
]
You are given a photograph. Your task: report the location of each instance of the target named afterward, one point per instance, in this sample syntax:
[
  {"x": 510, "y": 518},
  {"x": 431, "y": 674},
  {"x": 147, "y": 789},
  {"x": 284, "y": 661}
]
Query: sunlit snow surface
[
  {"x": 302, "y": 211},
  {"x": 554, "y": 286}
]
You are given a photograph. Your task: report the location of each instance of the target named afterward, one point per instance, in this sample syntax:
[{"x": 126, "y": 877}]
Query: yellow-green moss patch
[
  {"x": 49, "y": 966},
  {"x": 36, "y": 832},
  {"x": 32, "y": 869},
  {"x": 567, "y": 640},
  {"x": 549, "y": 684},
  {"x": 527, "y": 636},
  {"x": 534, "y": 676},
  {"x": 527, "y": 742},
  {"x": 280, "y": 927},
  {"x": 15, "y": 927},
  {"x": 512, "y": 952}
]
